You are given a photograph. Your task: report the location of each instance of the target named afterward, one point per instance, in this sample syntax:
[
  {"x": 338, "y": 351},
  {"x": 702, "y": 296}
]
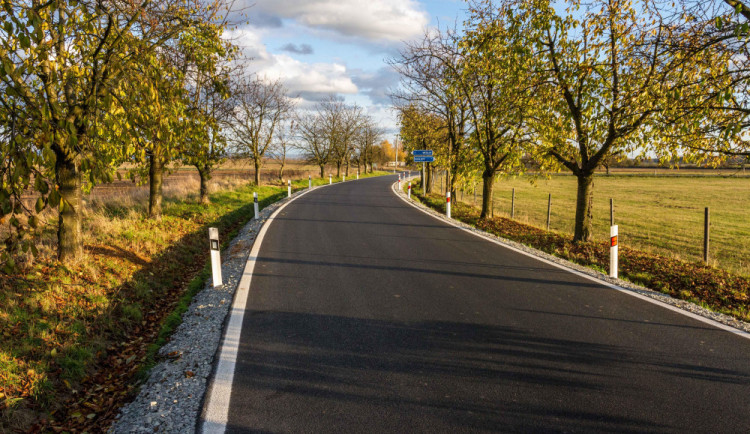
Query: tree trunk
[
  {"x": 155, "y": 180},
  {"x": 281, "y": 170},
  {"x": 322, "y": 171},
  {"x": 258, "y": 164},
  {"x": 338, "y": 169},
  {"x": 584, "y": 202},
  {"x": 488, "y": 186},
  {"x": 347, "y": 167},
  {"x": 69, "y": 233},
  {"x": 430, "y": 178},
  {"x": 205, "y": 175}
]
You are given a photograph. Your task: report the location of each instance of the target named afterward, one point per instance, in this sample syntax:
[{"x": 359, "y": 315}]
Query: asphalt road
[{"x": 366, "y": 315}]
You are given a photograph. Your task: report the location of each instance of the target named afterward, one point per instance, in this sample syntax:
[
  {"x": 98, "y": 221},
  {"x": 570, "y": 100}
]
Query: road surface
[{"x": 367, "y": 315}]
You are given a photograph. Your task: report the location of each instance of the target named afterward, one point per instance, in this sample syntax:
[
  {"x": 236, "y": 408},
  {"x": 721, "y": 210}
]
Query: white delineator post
[
  {"x": 343, "y": 178},
  {"x": 255, "y": 205},
  {"x": 448, "y": 204},
  {"x": 330, "y": 179},
  {"x": 358, "y": 174},
  {"x": 399, "y": 182},
  {"x": 613, "y": 242},
  {"x": 409, "y": 190},
  {"x": 309, "y": 181},
  {"x": 213, "y": 237},
  {"x": 289, "y": 188}
]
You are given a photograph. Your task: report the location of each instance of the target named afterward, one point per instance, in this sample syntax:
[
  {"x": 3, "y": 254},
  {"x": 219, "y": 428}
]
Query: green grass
[{"x": 659, "y": 214}]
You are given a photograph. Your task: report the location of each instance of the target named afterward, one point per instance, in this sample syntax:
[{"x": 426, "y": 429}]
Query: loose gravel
[
  {"x": 681, "y": 304},
  {"x": 172, "y": 398}
]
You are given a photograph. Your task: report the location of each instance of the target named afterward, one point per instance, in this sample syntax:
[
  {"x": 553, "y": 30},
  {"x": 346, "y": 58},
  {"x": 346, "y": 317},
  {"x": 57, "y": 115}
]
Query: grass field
[{"x": 663, "y": 214}]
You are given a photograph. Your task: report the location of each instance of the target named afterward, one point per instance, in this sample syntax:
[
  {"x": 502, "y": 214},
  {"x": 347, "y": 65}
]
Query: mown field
[
  {"x": 662, "y": 214},
  {"x": 75, "y": 340}
]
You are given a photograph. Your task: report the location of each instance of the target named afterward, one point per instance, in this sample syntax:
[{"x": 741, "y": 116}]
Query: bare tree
[
  {"x": 428, "y": 74},
  {"x": 259, "y": 107},
  {"x": 282, "y": 144},
  {"x": 312, "y": 140},
  {"x": 368, "y": 134}
]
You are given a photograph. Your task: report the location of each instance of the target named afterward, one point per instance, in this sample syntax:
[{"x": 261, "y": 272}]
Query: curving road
[{"x": 367, "y": 315}]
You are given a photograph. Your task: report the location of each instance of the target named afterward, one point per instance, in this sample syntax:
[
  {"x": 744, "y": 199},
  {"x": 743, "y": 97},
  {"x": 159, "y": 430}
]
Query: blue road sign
[
  {"x": 422, "y": 152},
  {"x": 429, "y": 159}
]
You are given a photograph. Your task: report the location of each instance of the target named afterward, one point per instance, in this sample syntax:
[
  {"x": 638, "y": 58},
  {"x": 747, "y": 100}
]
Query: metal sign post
[{"x": 213, "y": 237}]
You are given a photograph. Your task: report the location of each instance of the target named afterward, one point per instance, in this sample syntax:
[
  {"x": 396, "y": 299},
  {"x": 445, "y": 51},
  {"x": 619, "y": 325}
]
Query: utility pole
[{"x": 395, "y": 149}]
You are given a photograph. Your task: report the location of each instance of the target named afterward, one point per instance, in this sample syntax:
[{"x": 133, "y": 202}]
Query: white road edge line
[
  {"x": 700, "y": 318},
  {"x": 217, "y": 403}
]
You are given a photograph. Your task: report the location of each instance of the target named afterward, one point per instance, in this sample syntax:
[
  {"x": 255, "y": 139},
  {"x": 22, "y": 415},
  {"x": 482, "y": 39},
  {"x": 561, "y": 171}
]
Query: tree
[
  {"x": 606, "y": 75},
  {"x": 428, "y": 70},
  {"x": 259, "y": 107},
  {"x": 312, "y": 140},
  {"x": 212, "y": 114},
  {"x": 340, "y": 123},
  {"x": 420, "y": 129},
  {"x": 369, "y": 134},
  {"x": 282, "y": 144},
  {"x": 494, "y": 78},
  {"x": 62, "y": 66}
]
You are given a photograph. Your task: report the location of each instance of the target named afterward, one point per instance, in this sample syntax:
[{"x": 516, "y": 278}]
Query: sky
[{"x": 322, "y": 47}]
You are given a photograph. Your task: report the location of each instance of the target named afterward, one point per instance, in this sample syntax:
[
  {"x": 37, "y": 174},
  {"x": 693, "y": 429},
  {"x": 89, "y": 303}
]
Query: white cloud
[
  {"x": 310, "y": 78},
  {"x": 391, "y": 20},
  {"x": 301, "y": 78}
]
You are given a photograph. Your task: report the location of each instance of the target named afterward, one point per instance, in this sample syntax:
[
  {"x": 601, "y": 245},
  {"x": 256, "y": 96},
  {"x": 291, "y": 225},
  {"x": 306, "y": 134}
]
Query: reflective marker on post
[
  {"x": 255, "y": 204},
  {"x": 409, "y": 193},
  {"x": 613, "y": 251},
  {"x": 448, "y": 204},
  {"x": 213, "y": 237}
]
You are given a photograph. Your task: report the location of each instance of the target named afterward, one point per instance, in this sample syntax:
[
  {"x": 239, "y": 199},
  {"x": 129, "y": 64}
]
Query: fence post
[
  {"x": 213, "y": 236},
  {"x": 513, "y": 204},
  {"x": 706, "y": 224},
  {"x": 255, "y": 205},
  {"x": 613, "y": 242},
  {"x": 448, "y": 204},
  {"x": 549, "y": 207}
]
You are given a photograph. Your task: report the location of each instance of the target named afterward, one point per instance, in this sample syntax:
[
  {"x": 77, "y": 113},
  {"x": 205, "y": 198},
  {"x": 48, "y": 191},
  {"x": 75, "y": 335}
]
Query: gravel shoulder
[{"x": 172, "y": 398}]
